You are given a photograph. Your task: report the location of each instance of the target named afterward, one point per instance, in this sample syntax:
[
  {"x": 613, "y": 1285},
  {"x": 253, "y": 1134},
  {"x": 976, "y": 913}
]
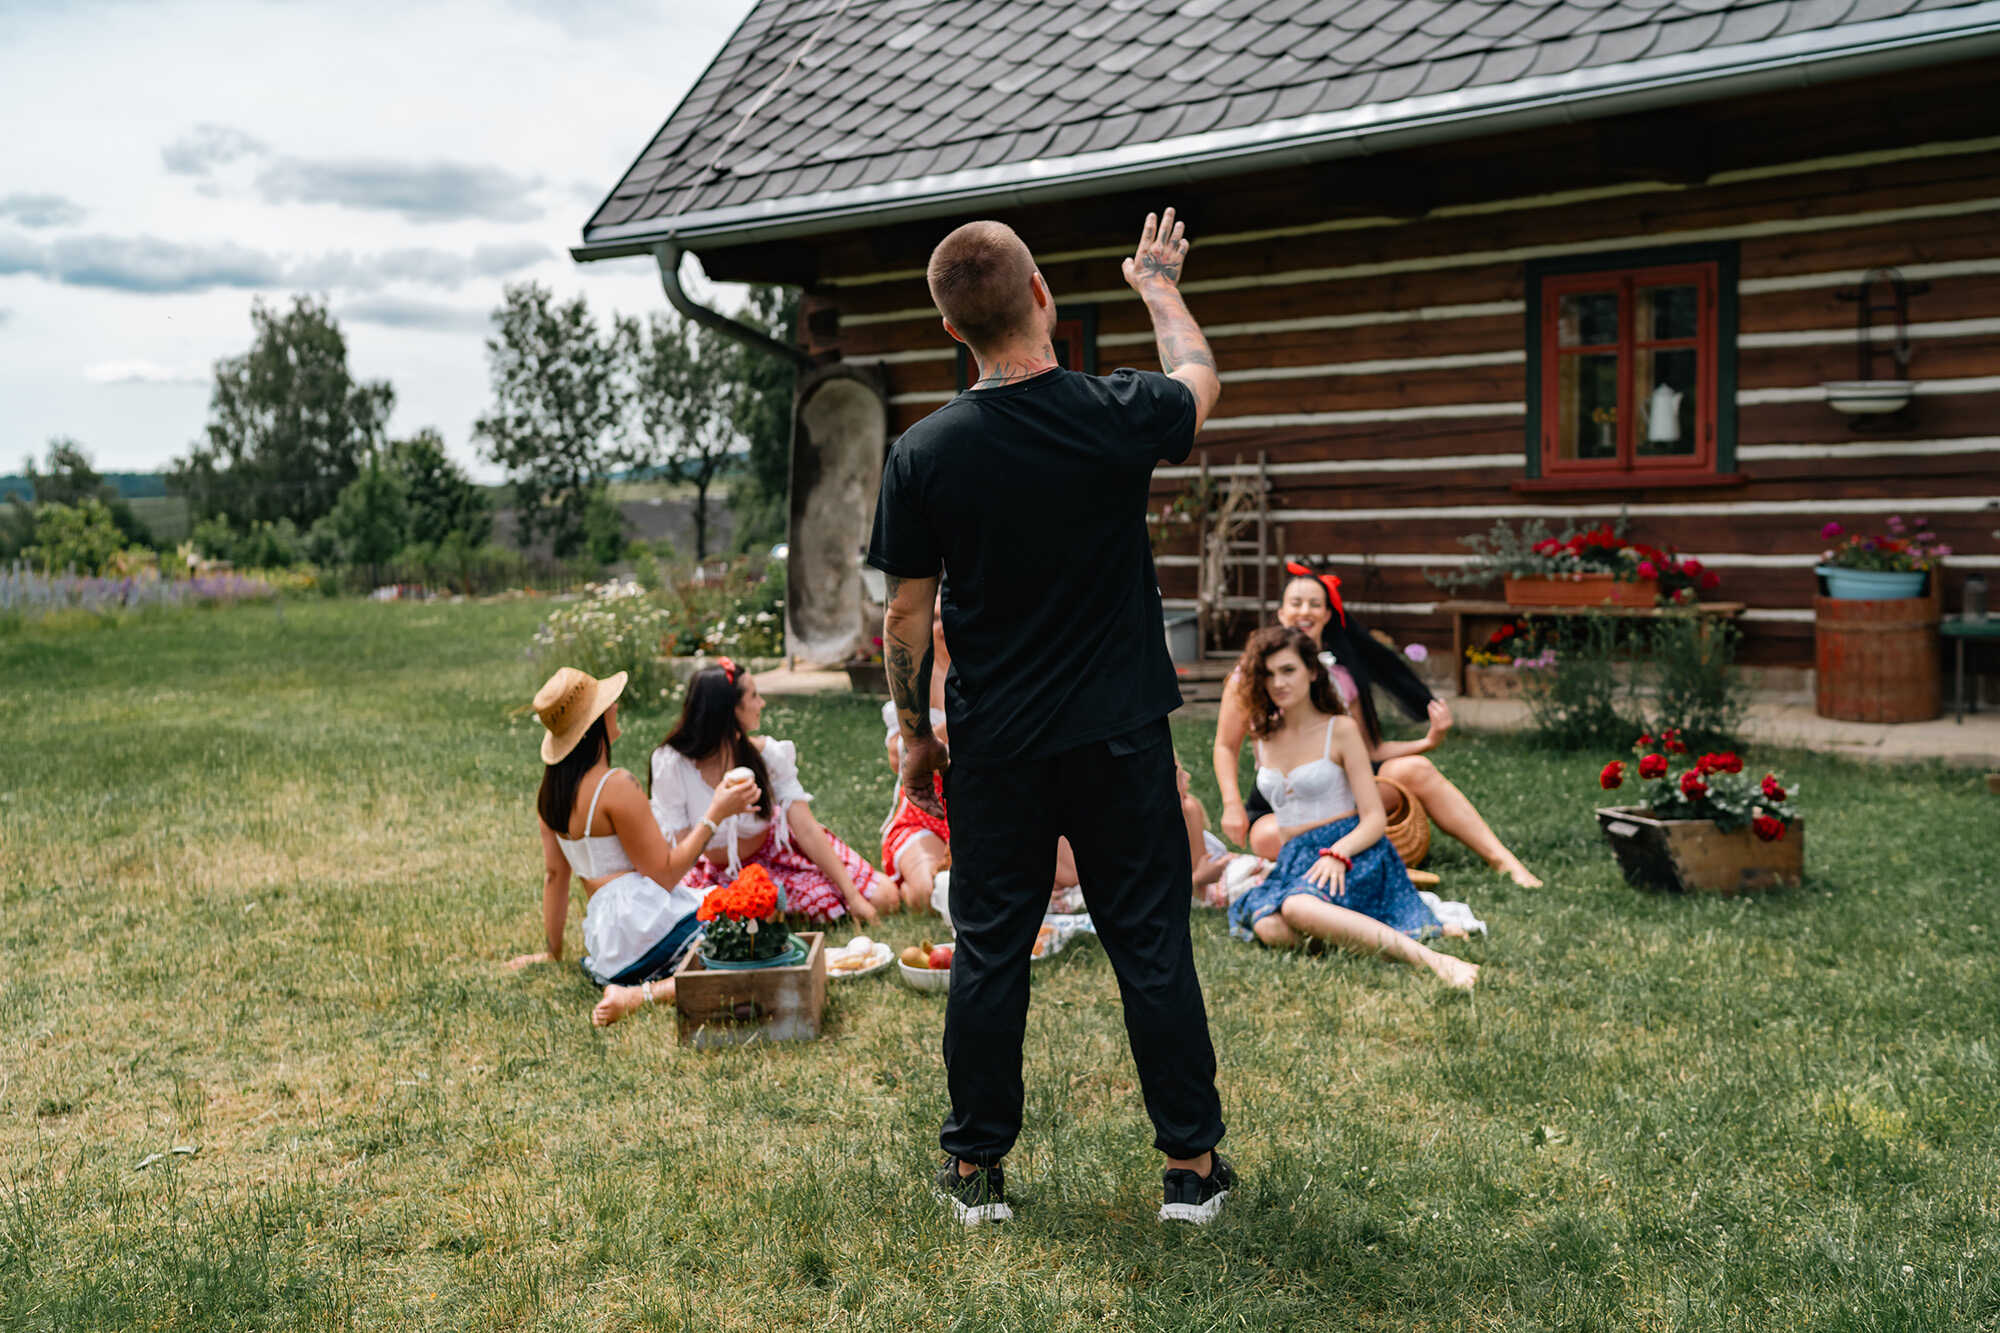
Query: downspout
[{"x": 668, "y": 255}]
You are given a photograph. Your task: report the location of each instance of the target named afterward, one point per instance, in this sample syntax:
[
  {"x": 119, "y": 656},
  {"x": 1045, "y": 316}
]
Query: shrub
[
  {"x": 1577, "y": 699},
  {"x": 1691, "y": 662},
  {"x": 615, "y": 626},
  {"x": 78, "y": 537}
]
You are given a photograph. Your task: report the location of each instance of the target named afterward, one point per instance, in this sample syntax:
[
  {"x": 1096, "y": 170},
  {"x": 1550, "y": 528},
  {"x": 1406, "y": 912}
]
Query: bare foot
[
  {"x": 1454, "y": 972},
  {"x": 1517, "y": 872},
  {"x": 1454, "y": 932},
  {"x": 619, "y": 1001}
]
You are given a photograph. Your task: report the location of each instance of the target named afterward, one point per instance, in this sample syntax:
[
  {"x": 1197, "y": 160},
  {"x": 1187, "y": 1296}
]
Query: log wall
[{"x": 1377, "y": 362}]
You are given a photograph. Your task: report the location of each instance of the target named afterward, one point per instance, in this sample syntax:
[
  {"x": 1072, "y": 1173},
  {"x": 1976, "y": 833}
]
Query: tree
[
  {"x": 442, "y": 499},
  {"x": 70, "y": 480},
  {"x": 289, "y": 426},
  {"x": 559, "y": 400},
  {"x": 687, "y": 383},
  {"x": 763, "y": 415},
  {"x": 80, "y": 537},
  {"x": 372, "y": 516}
]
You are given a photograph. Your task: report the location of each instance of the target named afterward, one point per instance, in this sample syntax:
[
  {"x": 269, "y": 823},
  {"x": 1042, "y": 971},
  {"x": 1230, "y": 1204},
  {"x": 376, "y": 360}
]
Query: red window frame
[{"x": 1625, "y": 283}]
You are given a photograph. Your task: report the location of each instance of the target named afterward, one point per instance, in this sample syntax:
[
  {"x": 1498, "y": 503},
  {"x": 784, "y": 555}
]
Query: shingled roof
[{"x": 819, "y": 114}]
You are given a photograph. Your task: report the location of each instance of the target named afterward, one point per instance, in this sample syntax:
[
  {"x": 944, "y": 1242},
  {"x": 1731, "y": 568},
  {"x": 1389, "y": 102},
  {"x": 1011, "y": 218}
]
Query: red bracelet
[{"x": 1346, "y": 862}]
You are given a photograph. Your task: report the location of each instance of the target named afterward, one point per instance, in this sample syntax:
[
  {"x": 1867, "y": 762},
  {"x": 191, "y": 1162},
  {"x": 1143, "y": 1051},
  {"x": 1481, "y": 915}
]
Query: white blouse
[{"x": 681, "y": 798}]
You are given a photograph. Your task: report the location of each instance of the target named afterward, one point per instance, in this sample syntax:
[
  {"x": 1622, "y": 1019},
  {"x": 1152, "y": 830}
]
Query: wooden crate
[
  {"x": 729, "y": 1008},
  {"x": 1693, "y": 856}
]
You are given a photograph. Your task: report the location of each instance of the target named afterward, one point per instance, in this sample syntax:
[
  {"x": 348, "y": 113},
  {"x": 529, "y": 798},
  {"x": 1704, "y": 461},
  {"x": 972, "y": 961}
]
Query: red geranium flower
[
  {"x": 1613, "y": 775},
  {"x": 1767, "y": 828},
  {"x": 1692, "y": 785},
  {"x": 1710, "y": 580},
  {"x": 1653, "y": 766},
  {"x": 1645, "y": 742},
  {"x": 1772, "y": 790},
  {"x": 1671, "y": 742},
  {"x": 1728, "y": 762}
]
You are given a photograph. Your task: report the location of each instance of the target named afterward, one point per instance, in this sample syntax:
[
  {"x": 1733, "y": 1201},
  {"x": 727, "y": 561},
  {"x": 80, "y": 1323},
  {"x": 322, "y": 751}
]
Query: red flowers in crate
[
  {"x": 751, "y": 896},
  {"x": 1710, "y": 786}
]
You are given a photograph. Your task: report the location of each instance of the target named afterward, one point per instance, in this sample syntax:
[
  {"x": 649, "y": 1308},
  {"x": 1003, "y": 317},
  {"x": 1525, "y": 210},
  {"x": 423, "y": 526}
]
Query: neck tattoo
[{"x": 1009, "y": 370}]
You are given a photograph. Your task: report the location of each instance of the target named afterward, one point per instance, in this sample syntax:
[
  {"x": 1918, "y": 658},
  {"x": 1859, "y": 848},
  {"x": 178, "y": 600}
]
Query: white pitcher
[{"x": 1663, "y": 415}]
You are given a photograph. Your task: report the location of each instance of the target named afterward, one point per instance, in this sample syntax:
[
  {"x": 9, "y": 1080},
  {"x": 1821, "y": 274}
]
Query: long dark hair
[
  {"x": 562, "y": 779},
  {"x": 708, "y": 723},
  {"x": 1370, "y": 664},
  {"x": 1253, "y": 676}
]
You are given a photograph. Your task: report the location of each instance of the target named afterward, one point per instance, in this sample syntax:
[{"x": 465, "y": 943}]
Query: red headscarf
[{"x": 1330, "y": 582}]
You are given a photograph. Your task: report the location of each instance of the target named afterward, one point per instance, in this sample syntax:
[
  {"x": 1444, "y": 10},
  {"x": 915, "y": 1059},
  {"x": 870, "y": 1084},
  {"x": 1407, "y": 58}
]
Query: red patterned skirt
[
  {"x": 906, "y": 822},
  {"x": 807, "y": 890}
]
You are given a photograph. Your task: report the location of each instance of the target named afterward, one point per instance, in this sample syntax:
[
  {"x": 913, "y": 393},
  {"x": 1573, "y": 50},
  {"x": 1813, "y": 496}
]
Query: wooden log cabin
[{"x": 1460, "y": 260}]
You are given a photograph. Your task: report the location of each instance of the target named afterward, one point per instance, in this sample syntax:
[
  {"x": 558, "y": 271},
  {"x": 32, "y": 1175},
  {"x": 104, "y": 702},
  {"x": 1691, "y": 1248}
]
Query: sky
[{"x": 170, "y": 163}]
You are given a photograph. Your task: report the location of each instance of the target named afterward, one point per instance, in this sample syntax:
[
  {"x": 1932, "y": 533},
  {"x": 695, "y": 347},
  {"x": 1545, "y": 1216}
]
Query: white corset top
[
  {"x": 1311, "y": 794},
  {"x": 595, "y": 857}
]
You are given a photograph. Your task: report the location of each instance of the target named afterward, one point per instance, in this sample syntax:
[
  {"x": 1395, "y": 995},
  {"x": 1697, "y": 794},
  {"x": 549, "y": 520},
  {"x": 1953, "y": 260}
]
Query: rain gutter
[
  {"x": 668, "y": 255},
  {"x": 1799, "y": 60}
]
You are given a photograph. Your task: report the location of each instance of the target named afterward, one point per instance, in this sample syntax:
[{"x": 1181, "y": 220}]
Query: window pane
[
  {"x": 1587, "y": 394},
  {"x": 1668, "y": 312},
  {"x": 1587, "y": 319},
  {"x": 1664, "y": 388}
]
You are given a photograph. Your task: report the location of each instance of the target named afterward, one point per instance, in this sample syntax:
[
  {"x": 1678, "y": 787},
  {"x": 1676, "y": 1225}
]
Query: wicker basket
[{"x": 1409, "y": 831}]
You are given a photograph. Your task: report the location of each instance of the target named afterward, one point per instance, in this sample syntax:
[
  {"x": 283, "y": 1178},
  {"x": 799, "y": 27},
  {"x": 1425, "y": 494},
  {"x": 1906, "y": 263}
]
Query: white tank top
[
  {"x": 1311, "y": 794},
  {"x": 595, "y": 857}
]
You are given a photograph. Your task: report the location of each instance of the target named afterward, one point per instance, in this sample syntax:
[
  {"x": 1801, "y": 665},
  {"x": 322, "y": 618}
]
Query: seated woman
[
  {"x": 1312, "y": 604},
  {"x": 635, "y": 930},
  {"x": 822, "y": 878},
  {"x": 1337, "y": 878}
]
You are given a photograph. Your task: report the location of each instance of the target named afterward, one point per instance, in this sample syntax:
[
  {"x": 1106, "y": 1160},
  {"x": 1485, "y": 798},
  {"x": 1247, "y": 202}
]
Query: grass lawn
[{"x": 258, "y": 869}]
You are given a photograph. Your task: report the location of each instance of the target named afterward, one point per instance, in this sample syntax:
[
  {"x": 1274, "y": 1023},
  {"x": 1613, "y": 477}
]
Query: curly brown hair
[{"x": 1253, "y": 676}]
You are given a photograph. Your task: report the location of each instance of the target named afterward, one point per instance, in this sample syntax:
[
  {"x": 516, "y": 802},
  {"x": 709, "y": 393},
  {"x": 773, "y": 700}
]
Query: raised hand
[{"x": 1161, "y": 254}]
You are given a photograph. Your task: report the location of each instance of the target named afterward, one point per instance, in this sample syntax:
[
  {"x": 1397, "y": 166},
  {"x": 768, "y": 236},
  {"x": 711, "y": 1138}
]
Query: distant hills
[{"x": 130, "y": 485}]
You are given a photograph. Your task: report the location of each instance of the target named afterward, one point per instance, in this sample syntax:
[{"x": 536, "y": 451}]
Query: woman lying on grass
[
  {"x": 1311, "y": 603},
  {"x": 635, "y": 931},
  {"x": 1337, "y": 878},
  {"x": 821, "y": 877}
]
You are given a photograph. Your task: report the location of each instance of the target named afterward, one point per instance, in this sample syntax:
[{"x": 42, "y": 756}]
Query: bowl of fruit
[{"x": 926, "y": 966}]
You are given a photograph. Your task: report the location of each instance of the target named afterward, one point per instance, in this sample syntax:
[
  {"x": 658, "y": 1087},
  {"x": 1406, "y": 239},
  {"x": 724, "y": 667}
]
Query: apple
[
  {"x": 940, "y": 959},
  {"x": 914, "y": 956}
]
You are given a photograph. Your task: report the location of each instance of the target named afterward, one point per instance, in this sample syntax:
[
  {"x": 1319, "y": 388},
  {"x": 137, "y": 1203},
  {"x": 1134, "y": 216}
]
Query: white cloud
[
  {"x": 207, "y": 147},
  {"x": 40, "y": 210},
  {"x": 399, "y": 312},
  {"x": 144, "y": 372},
  {"x": 150, "y": 266},
  {"x": 432, "y": 192}
]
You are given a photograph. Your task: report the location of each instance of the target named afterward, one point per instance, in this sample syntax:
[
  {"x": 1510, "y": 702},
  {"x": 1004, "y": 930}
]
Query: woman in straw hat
[{"x": 636, "y": 930}]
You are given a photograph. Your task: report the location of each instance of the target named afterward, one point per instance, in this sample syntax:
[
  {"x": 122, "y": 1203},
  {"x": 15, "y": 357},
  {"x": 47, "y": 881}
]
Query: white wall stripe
[
  {"x": 1946, "y": 328},
  {"x": 1523, "y": 203},
  {"x": 1451, "y": 559},
  {"x": 1796, "y": 282},
  {"x": 1814, "y": 393},
  {"x": 1515, "y": 254},
  {"x": 1954, "y": 504},
  {"x": 1975, "y": 444},
  {"x": 1768, "y": 614},
  {"x": 1313, "y": 323},
  {"x": 1443, "y": 412}
]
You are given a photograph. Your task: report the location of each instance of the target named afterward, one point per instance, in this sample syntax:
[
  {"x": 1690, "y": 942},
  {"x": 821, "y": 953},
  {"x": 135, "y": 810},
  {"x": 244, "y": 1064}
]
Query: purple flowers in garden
[{"x": 31, "y": 595}]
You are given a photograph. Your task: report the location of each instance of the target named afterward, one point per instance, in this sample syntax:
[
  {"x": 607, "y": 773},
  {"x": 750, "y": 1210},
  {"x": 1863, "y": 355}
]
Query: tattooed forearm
[
  {"x": 909, "y": 673},
  {"x": 1180, "y": 338}
]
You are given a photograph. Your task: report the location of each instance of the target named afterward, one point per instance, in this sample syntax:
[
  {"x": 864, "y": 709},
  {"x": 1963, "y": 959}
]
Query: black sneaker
[
  {"x": 1196, "y": 1198},
  {"x": 979, "y": 1197}
]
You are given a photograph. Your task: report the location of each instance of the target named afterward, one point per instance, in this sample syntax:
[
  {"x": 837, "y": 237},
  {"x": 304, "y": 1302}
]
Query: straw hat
[{"x": 569, "y": 703}]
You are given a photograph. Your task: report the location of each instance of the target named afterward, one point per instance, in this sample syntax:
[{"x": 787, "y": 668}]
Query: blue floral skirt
[{"x": 1377, "y": 886}]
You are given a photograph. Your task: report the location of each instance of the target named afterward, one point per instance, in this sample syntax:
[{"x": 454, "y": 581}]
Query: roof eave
[{"x": 1796, "y": 61}]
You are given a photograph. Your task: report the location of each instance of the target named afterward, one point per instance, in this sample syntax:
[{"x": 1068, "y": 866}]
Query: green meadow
[{"x": 259, "y": 869}]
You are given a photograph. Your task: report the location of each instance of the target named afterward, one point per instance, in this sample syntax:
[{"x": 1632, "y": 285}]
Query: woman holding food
[{"x": 821, "y": 877}]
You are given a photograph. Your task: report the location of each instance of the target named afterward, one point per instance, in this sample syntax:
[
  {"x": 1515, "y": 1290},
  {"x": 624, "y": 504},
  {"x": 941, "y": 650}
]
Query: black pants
[{"x": 1116, "y": 802}]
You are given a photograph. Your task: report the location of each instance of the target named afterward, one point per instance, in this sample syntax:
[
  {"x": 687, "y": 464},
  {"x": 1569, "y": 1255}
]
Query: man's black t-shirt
[{"x": 1032, "y": 498}]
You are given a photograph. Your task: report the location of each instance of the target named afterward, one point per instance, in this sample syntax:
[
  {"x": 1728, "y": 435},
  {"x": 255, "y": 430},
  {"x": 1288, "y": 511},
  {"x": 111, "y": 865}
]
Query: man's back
[{"x": 1033, "y": 497}]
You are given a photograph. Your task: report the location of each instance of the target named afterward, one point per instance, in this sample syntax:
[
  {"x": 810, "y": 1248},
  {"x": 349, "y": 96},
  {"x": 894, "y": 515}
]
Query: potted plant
[
  {"x": 742, "y": 927},
  {"x": 1889, "y": 567},
  {"x": 1493, "y": 668},
  {"x": 1705, "y": 826},
  {"x": 751, "y": 979},
  {"x": 1581, "y": 567},
  {"x": 867, "y": 675}
]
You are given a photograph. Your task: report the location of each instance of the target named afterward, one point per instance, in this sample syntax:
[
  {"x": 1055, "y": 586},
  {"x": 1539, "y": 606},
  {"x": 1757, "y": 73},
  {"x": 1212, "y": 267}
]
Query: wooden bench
[{"x": 1473, "y": 622}]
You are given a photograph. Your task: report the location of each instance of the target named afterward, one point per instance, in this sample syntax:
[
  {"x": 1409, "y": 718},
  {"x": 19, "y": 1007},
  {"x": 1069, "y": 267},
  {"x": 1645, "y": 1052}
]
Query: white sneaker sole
[
  {"x": 1201, "y": 1214},
  {"x": 971, "y": 1216}
]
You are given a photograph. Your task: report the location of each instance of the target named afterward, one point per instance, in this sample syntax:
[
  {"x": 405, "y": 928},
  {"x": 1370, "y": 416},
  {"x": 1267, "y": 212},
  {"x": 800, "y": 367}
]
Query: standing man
[{"x": 1029, "y": 492}]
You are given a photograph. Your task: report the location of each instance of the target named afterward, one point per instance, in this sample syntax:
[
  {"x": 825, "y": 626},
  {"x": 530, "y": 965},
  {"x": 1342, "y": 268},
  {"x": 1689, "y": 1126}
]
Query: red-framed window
[{"x": 1629, "y": 362}]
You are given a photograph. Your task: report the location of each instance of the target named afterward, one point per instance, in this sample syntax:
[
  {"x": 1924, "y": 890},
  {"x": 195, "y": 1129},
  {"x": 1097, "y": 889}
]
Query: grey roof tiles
[{"x": 868, "y": 91}]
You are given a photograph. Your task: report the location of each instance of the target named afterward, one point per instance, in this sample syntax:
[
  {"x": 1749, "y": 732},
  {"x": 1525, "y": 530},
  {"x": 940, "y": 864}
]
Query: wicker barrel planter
[
  {"x": 1876, "y": 661},
  {"x": 1586, "y": 590},
  {"x": 1694, "y": 856}
]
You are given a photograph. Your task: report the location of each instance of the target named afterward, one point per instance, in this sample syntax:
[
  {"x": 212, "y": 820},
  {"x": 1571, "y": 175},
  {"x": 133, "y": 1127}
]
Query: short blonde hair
[{"x": 979, "y": 279}]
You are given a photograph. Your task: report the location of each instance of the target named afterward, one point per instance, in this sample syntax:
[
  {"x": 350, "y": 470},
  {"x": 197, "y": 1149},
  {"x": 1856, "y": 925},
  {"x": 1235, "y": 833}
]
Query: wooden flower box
[
  {"x": 730, "y": 1008},
  {"x": 1694, "y": 856},
  {"x": 1492, "y": 681},
  {"x": 1587, "y": 590}
]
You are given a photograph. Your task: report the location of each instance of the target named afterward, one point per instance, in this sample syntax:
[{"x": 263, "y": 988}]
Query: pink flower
[
  {"x": 1830, "y": 531},
  {"x": 1895, "y": 522},
  {"x": 1648, "y": 570},
  {"x": 1941, "y": 551},
  {"x": 1416, "y": 652}
]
